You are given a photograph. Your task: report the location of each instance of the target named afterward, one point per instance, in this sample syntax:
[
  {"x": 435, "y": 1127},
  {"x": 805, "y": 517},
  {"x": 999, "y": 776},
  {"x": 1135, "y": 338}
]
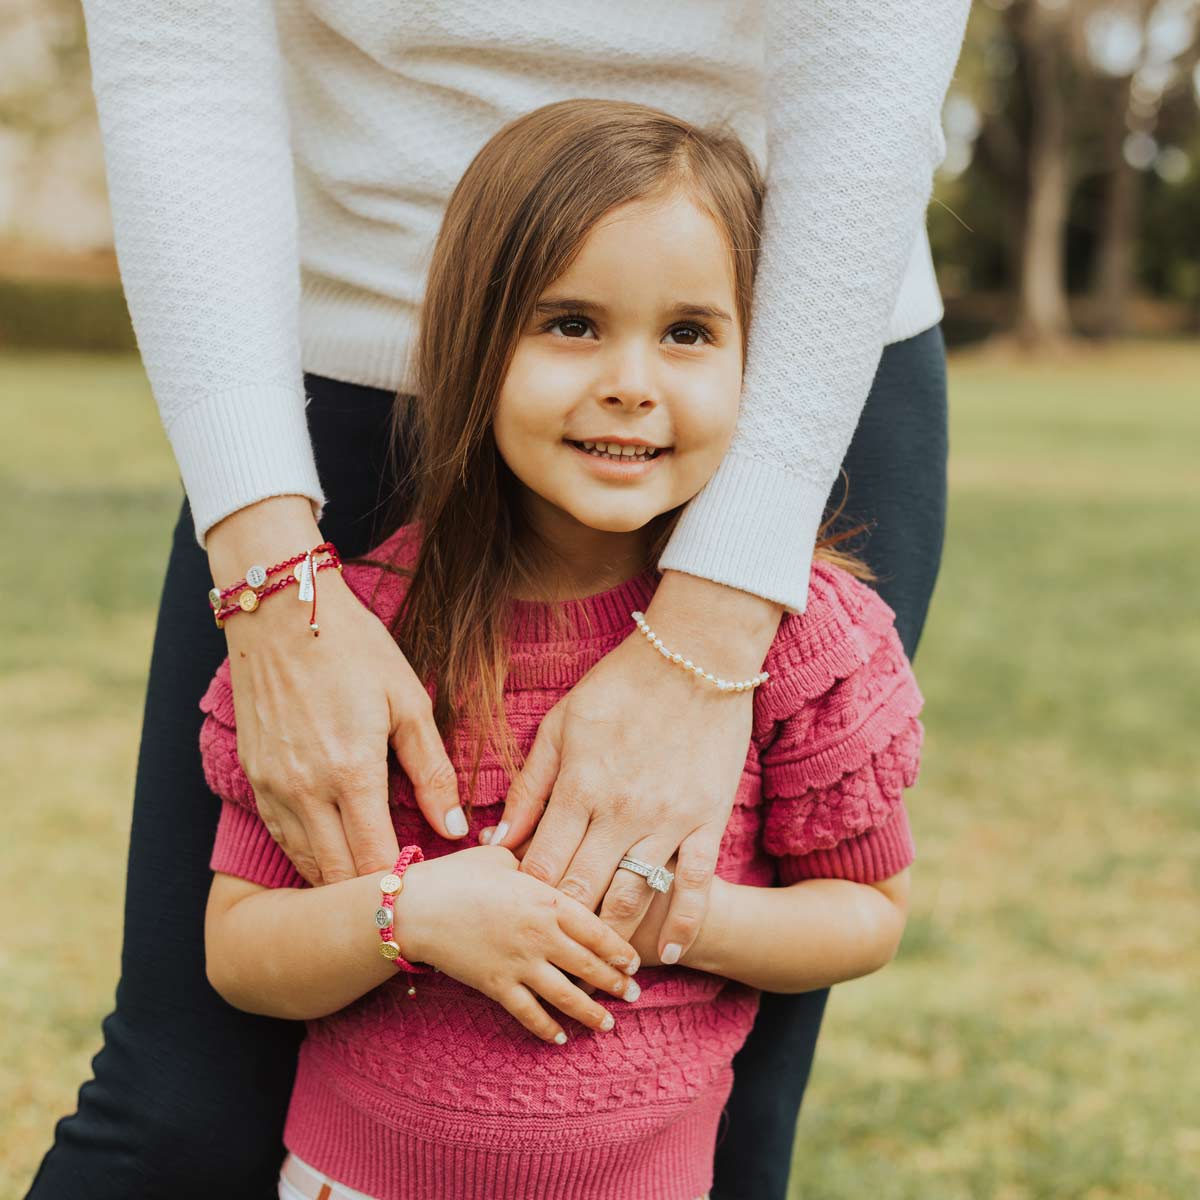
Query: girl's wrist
[{"x": 408, "y": 924}]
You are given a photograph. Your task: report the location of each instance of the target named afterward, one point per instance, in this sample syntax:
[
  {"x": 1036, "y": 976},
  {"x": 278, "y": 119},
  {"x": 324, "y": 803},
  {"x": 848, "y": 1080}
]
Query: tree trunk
[
  {"x": 1112, "y": 274},
  {"x": 1042, "y": 315}
]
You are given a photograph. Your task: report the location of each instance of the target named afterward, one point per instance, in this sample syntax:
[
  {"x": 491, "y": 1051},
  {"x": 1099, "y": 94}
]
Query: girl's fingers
[
  {"x": 521, "y": 1003},
  {"x": 577, "y": 960},
  {"x": 588, "y": 930},
  {"x": 552, "y": 985}
]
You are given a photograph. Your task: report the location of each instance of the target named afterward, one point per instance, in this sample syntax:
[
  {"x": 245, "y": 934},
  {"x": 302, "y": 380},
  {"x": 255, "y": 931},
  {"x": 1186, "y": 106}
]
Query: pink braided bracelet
[{"x": 390, "y": 886}]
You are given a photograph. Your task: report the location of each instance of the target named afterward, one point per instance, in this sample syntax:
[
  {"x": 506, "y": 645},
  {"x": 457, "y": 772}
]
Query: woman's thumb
[
  {"x": 423, "y": 758},
  {"x": 530, "y": 790}
]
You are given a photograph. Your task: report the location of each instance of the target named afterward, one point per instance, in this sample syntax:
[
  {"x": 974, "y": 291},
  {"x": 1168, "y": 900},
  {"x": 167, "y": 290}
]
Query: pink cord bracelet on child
[{"x": 390, "y": 886}]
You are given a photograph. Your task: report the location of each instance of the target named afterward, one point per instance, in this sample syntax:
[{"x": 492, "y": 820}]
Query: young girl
[{"x": 580, "y": 361}]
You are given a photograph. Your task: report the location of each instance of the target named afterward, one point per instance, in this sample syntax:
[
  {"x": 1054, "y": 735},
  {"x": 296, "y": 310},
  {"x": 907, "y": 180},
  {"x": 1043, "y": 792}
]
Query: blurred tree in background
[
  {"x": 1069, "y": 202},
  {"x": 1073, "y": 167}
]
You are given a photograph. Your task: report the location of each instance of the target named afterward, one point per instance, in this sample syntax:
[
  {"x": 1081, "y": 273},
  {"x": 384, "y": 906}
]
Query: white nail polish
[
  {"x": 632, "y": 990},
  {"x": 485, "y": 836},
  {"x": 560, "y": 1038},
  {"x": 670, "y": 954},
  {"x": 456, "y": 822},
  {"x": 608, "y": 1022},
  {"x": 633, "y": 966},
  {"x": 499, "y": 835}
]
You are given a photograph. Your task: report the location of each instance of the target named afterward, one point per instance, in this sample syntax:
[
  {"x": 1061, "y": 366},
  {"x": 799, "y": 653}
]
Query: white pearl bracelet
[{"x": 725, "y": 685}]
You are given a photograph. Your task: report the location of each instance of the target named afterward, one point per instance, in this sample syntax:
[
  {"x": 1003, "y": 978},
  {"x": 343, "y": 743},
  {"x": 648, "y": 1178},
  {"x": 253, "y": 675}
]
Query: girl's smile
[{"x": 613, "y": 458}]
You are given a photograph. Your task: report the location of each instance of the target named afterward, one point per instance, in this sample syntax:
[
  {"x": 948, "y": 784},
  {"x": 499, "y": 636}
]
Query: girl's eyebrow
[{"x": 679, "y": 311}]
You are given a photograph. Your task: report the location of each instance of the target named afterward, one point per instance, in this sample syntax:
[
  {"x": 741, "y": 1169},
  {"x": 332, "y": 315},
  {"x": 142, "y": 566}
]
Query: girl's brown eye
[
  {"x": 572, "y": 327},
  {"x": 690, "y": 335}
]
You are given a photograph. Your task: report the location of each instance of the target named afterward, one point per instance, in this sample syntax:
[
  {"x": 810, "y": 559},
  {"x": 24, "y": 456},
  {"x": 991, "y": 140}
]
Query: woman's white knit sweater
[{"x": 278, "y": 175}]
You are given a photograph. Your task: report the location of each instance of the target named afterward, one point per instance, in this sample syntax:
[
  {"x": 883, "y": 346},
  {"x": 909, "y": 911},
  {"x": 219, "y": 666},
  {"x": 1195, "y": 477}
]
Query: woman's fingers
[
  {"x": 530, "y": 790},
  {"x": 369, "y": 831},
  {"x": 556, "y": 840},
  {"x": 689, "y": 893},
  {"x": 520, "y": 1001},
  {"x": 421, "y": 754},
  {"x": 629, "y": 896},
  {"x": 326, "y": 837},
  {"x": 294, "y": 842},
  {"x": 552, "y": 985}
]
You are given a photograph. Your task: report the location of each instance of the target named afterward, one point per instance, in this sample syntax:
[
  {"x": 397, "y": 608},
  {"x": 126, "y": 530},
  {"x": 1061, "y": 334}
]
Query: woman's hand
[
  {"x": 477, "y": 918},
  {"x": 641, "y": 758},
  {"x": 645, "y": 939},
  {"x": 315, "y": 716}
]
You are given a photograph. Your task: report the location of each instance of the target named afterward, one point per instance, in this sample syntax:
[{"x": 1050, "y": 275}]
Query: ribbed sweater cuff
[
  {"x": 244, "y": 848},
  {"x": 241, "y": 446},
  {"x": 872, "y": 856},
  {"x": 752, "y": 527}
]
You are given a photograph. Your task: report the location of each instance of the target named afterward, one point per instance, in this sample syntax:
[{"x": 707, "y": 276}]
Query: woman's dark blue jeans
[{"x": 188, "y": 1095}]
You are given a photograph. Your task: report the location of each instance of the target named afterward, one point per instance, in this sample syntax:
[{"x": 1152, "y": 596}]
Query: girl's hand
[
  {"x": 315, "y": 715},
  {"x": 478, "y": 919}
]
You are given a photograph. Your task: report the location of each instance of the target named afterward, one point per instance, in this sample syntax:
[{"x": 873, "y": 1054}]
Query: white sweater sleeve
[
  {"x": 854, "y": 90},
  {"x": 196, "y": 142}
]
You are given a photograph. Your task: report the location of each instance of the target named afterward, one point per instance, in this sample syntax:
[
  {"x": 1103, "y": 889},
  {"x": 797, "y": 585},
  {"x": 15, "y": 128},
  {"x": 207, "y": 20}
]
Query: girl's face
[{"x": 636, "y": 346}]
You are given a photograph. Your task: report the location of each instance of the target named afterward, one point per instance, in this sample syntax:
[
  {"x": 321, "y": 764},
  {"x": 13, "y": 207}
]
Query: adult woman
[{"x": 383, "y": 115}]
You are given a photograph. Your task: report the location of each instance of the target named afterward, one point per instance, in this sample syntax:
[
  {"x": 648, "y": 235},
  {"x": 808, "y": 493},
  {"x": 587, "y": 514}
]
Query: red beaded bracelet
[
  {"x": 250, "y": 591},
  {"x": 256, "y": 576},
  {"x": 390, "y": 886}
]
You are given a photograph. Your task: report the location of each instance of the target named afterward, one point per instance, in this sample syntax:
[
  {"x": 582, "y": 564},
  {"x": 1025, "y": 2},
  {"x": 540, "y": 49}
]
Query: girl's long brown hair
[{"x": 514, "y": 223}]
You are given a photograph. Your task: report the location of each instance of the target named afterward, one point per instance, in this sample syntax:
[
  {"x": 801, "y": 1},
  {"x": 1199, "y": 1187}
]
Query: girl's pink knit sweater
[{"x": 445, "y": 1096}]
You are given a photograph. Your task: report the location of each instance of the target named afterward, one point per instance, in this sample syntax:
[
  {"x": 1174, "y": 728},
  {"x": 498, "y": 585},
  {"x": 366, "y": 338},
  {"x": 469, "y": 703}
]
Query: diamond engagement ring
[{"x": 659, "y": 878}]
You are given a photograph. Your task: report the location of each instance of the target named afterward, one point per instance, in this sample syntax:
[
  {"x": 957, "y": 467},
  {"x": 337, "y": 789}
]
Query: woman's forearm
[
  {"x": 294, "y": 953},
  {"x": 796, "y": 939}
]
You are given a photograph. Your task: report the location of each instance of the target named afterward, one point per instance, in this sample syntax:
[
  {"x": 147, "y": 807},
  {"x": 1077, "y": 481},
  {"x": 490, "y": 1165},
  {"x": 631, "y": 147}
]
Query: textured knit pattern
[
  {"x": 276, "y": 187},
  {"x": 446, "y": 1096}
]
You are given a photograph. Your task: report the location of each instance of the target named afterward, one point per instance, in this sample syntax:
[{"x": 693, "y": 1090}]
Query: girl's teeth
[{"x": 613, "y": 450}]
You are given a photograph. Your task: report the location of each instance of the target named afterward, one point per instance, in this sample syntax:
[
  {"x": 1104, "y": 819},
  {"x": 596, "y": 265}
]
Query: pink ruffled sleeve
[
  {"x": 243, "y": 847},
  {"x": 844, "y": 739}
]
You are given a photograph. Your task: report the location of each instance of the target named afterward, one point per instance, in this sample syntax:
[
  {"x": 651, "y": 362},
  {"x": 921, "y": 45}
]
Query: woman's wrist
[
  {"x": 730, "y": 631},
  {"x": 267, "y": 531}
]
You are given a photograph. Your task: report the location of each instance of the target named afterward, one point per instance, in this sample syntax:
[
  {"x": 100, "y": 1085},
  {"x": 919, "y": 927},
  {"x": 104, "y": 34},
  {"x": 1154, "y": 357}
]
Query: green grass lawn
[{"x": 1032, "y": 1040}]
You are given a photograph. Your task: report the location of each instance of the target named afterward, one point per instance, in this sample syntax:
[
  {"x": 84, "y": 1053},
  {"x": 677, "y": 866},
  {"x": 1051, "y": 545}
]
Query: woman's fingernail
[
  {"x": 671, "y": 952},
  {"x": 633, "y": 966},
  {"x": 632, "y": 990},
  {"x": 500, "y": 834},
  {"x": 560, "y": 1038},
  {"x": 608, "y": 1022},
  {"x": 456, "y": 822},
  {"x": 485, "y": 835}
]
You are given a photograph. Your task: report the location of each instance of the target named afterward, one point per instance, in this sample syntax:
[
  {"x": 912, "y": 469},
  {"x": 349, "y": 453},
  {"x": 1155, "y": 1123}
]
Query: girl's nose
[
  {"x": 625, "y": 401},
  {"x": 632, "y": 387}
]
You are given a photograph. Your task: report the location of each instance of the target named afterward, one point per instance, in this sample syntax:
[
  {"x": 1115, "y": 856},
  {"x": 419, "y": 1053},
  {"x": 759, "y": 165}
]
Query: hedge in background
[{"x": 64, "y": 316}]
